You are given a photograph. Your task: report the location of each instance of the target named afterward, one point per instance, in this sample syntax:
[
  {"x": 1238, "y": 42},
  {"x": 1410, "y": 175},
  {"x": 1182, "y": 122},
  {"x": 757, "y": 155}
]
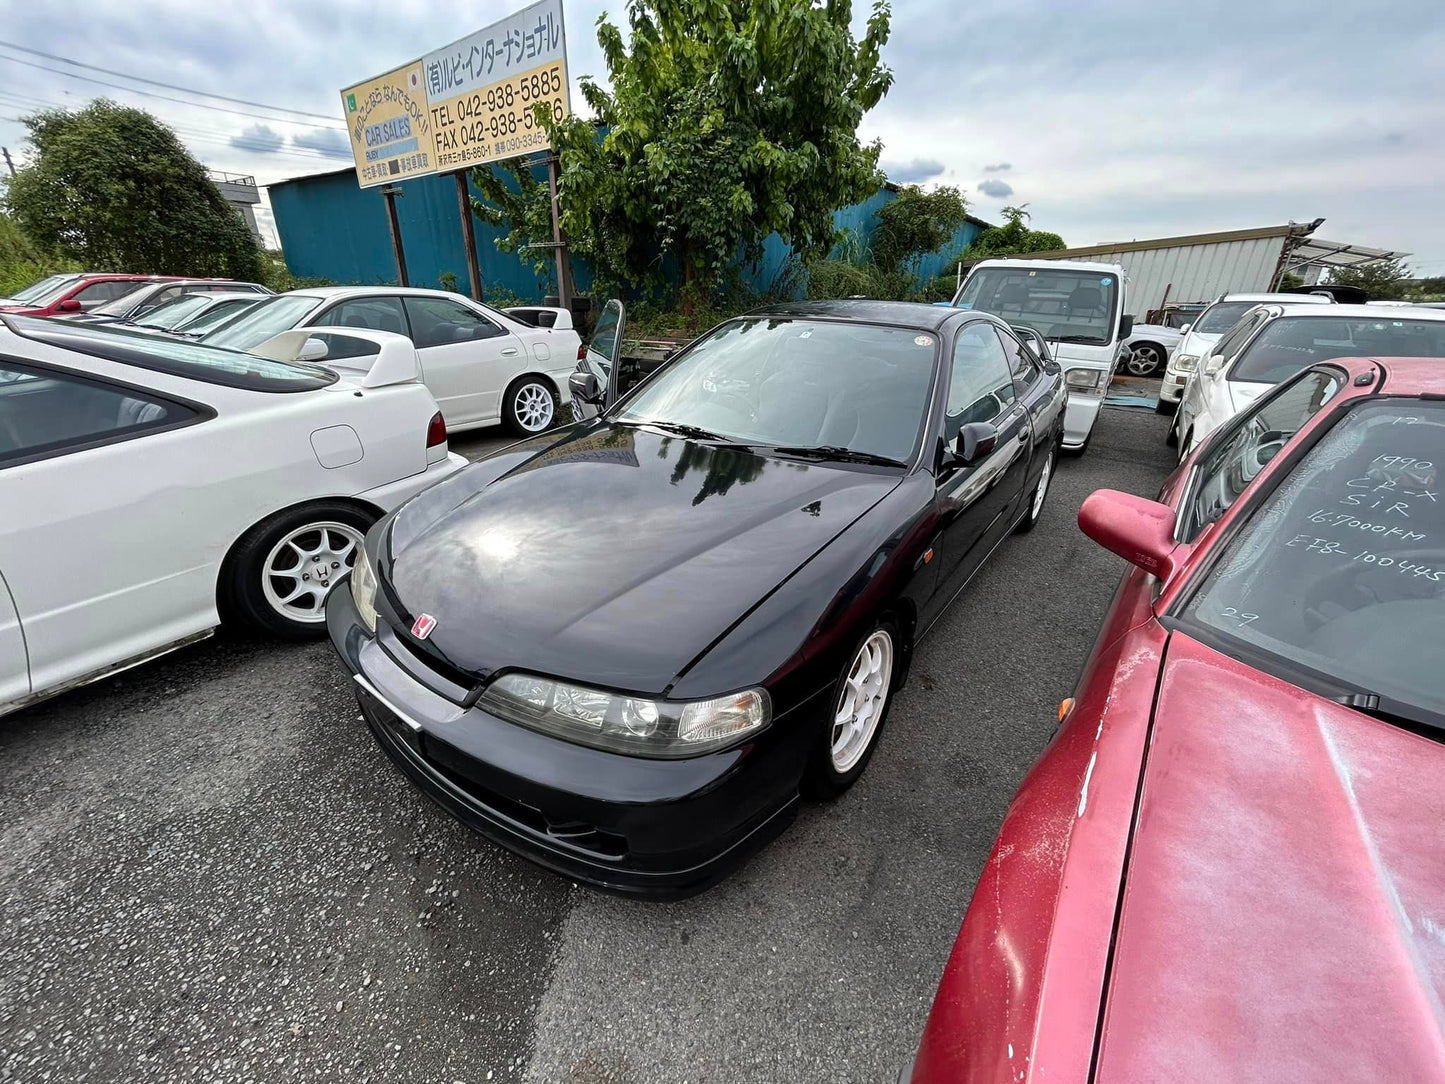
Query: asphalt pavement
[{"x": 209, "y": 873}]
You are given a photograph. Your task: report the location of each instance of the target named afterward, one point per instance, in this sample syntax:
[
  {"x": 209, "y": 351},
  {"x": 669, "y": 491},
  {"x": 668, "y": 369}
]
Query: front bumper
[
  {"x": 1171, "y": 388},
  {"x": 1080, "y": 415},
  {"x": 656, "y": 828}
]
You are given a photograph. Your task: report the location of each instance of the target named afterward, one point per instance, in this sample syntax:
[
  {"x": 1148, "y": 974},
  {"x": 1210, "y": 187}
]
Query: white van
[{"x": 1077, "y": 307}]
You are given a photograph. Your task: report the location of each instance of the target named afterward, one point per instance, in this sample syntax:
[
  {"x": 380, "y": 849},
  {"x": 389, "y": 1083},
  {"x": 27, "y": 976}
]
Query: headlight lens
[
  {"x": 1083, "y": 379},
  {"x": 363, "y": 589},
  {"x": 625, "y": 724},
  {"x": 1186, "y": 363}
]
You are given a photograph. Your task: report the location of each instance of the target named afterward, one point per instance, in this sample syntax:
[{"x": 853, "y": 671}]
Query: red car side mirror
[
  {"x": 1138, "y": 530},
  {"x": 70, "y": 304}
]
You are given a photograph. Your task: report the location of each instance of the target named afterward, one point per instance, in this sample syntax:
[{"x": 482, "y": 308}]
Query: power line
[
  {"x": 168, "y": 98},
  {"x": 168, "y": 86}
]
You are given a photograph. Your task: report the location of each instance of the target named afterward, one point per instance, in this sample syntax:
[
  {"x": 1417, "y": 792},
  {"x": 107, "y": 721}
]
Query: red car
[
  {"x": 81, "y": 293},
  {"x": 1229, "y": 863}
]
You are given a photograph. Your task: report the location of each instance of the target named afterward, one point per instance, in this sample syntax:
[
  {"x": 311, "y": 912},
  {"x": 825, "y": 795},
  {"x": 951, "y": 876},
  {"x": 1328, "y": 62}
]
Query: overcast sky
[{"x": 1119, "y": 120}]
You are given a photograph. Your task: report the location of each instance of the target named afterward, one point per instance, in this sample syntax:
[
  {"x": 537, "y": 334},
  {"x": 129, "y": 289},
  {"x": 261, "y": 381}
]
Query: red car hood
[{"x": 1284, "y": 907}]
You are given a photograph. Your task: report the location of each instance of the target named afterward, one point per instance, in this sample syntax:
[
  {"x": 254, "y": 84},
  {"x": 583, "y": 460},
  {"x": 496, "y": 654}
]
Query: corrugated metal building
[
  {"x": 333, "y": 229},
  {"x": 1200, "y": 267}
]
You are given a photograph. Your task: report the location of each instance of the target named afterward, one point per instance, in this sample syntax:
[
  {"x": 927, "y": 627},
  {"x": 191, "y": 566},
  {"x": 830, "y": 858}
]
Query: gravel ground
[{"x": 208, "y": 872}]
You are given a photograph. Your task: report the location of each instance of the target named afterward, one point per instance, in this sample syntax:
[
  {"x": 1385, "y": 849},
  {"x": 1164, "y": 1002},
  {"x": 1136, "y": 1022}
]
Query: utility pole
[
  {"x": 559, "y": 248},
  {"x": 389, "y": 193},
  {"x": 469, "y": 234},
  {"x": 9, "y": 163}
]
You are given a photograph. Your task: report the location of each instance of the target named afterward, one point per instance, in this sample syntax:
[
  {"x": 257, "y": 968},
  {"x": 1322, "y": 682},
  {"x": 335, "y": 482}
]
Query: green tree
[
  {"x": 915, "y": 223},
  {"x": 1013, "y": 238},
  {"x": 725, "y": 121},
  {"x": 112, "y": 187},
  {"x": 1383, "y": 281}
]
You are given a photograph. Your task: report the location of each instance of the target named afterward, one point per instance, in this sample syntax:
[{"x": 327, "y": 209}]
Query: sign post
[
  {"x": 468, "y": 104},
  {"x": 389, "y": 194}
]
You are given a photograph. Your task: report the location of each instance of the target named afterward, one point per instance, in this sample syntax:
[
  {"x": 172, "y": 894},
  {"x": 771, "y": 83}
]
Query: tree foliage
[
  {"x": 725, "y": 121},
  {"x": 112, "y": 187},
  {"x": 916, "y": 223},
  {"x": 1013, "y": 238},
  {"x": 1384, "y": 281}
]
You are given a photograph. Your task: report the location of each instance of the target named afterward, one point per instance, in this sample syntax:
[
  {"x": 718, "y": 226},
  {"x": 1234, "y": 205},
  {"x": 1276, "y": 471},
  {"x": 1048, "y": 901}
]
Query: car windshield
[
  {"x": 1341, "y": 572},
  {"x": 178, "y": 357},
  {"x": 44, "y": 286},
  {"x": 1064, "y": 305},
  {"x": 1220, "y": 317},
  {"x": 172, "y": 313},
  {"x": 124, "y": 303},
  {"x": 799, "y": 384},
  {"x": 218, "y": 315},
  {"x": 1292, "y": 343},
  {"x": 271, "y": 317}
]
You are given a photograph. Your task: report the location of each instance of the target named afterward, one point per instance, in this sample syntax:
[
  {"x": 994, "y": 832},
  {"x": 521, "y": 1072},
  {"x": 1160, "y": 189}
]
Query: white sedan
[
  {"x": 152, "y": 487},
  {"x": 482, "y": 365}
]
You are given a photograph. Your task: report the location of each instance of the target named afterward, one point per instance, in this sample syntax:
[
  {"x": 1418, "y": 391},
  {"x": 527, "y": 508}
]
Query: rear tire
[
  {"x": 856, "y": 714},
  {"x": 529, "y": 406},
  {"x": 282, "y": 569},
  {"x": 1145, "y": 359}
]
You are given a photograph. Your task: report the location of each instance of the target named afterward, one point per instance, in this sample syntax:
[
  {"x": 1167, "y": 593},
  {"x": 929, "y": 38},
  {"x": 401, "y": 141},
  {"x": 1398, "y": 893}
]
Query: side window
[
  {"x": 437, "y": 322},
  {"x": 1230, "y": 344},
  {"x": 1253, "y": 439},
  {"x": 980, "y": 387},
  {"x": 44, "y": 412},
  {"x": 99, "y": 292},
  {"x": 1024, "y": 367},
  {"x": 377, "y": 313},
  {"x": 157, "y": 299}
]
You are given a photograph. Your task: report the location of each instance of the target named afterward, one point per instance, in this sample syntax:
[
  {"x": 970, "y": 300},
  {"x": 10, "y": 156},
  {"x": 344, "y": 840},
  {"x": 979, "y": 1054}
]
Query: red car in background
[
  {"x": 1229, "y": 863},
  {"x": 81, "y": 293}
]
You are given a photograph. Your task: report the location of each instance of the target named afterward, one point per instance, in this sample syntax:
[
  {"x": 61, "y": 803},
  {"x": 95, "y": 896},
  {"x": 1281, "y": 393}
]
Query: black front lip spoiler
[{"x": 691, "y": 875}]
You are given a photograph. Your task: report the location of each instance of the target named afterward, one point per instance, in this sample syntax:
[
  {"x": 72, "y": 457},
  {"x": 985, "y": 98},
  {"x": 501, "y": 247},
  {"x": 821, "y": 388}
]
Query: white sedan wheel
[
  {"x": 301, "y": 568},
  {"x": 533, "y": 406}
]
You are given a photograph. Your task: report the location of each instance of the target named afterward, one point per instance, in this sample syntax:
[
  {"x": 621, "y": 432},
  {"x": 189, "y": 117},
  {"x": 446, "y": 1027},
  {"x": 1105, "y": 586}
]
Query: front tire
[
  {"x": 284, "y": 567},
  {"x": 1164, "y": 406},
  {"x": 1037, "y": 497},
  {"x": 530, "y": 405},
  {"x": 858, "y": 712},
  {"x": 1146, "y": 359}
]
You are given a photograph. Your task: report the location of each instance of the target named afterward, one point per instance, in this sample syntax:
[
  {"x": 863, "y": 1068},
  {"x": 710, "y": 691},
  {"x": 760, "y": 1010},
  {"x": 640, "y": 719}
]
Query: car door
[
  {"x": 468, "y": 359},
  {"x": 601, "y": 360},
  {"x": 1038, "y": 393},
  {"x": 977, "y": 501},
  {"x": 95, "y": 541}
]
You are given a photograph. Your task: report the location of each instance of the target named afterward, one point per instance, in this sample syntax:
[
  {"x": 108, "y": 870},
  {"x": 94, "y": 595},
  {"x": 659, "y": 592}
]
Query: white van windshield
[{"x": 1067, "y": 306}]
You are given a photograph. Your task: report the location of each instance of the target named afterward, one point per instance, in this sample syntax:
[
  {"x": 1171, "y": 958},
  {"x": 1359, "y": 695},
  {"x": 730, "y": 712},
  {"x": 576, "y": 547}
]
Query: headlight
[
  {"x": 363, "y": 589},
  {"x": 1185, "y": 363},
  {"x": 1083, "y": 379},
  {"x": 626, "y": 724}
]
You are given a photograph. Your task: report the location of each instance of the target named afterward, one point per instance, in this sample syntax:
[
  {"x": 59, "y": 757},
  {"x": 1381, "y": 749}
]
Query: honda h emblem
[{"x": 422, "y": 626}]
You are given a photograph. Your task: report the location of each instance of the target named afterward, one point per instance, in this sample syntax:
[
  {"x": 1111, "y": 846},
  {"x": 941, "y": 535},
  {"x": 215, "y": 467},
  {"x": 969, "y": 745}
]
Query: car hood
[
  {"x": 1197, "y": 343},
  {"x": 1284, "y": 907},
  {"x": 1241, "y": 393},
  {"x": 612, "y": 555}
]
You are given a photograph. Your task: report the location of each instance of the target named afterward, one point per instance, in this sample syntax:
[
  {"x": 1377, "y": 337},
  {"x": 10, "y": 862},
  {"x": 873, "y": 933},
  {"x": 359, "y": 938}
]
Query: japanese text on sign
[
  {"x": 390, "y": 128},
  {"x": 498, "y": 121}
]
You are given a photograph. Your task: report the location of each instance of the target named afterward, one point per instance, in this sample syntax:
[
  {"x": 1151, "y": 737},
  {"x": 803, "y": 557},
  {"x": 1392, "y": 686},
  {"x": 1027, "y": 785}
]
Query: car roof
[
  {"x": 372, "y": 291},
  {"x": 1067, "y": 265},
  {"x": 1360, "y": 312},
  {"x": 1283, "y": 299},
  {"x": 911, "y": 314}
]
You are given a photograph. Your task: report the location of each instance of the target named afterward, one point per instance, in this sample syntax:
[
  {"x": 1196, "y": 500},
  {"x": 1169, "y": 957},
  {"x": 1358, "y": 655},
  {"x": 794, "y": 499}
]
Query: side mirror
[
  {"x": 1126, "y": 326},
  {"x": 70, "y": 304},
  {"x": 585, "y": 387},
  {"x": 312, "y": 350},
  {"x": 1185, "y": 329},
  {"x": 1140, "y": 531},
  {"x": 1214, "y": 364},
  {"x": 976, "y": 440}
]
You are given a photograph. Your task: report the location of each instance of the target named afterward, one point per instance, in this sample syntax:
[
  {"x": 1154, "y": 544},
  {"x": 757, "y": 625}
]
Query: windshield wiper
[
  {"x": 682, "y": 429},
  {"x": 840, "y": 454},
  {"x": 1078, "y": 339}
]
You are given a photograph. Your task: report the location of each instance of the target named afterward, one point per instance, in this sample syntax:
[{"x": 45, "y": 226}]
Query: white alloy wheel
[
  {"x": 300, "y": 569},
  {"x": 1043, "y": 487},
  {"x": 1144, "y": 359},
  {"x": 533, "y": 407},
  {"x": 861, "y": 701}
]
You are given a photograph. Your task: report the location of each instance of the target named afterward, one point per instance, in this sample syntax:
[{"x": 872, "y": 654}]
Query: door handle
[{"x": 509, "y": 352}]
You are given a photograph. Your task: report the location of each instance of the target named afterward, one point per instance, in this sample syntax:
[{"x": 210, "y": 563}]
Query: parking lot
[{"x": 210, "y": 873}]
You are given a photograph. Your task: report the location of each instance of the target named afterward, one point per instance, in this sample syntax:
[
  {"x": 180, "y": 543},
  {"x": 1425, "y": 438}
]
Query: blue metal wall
[{"x": 330, "y": 228}]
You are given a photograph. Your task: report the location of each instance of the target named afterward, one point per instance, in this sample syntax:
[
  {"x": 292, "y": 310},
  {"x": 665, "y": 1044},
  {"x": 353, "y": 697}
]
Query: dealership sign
[{"x": 467, "y": 104}]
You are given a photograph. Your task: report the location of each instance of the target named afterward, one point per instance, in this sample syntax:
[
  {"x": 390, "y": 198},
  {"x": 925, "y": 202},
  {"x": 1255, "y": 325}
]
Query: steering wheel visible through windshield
[{"x": 799, "y": 384}]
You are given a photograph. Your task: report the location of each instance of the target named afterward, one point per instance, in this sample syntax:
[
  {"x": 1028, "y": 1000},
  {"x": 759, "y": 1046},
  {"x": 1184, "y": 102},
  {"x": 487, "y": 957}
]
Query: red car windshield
[{"x": 1337, "y": 581}]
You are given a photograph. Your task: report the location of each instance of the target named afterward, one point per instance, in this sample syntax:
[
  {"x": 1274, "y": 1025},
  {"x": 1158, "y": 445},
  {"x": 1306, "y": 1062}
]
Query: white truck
[{"x": 1077, "y": 307}]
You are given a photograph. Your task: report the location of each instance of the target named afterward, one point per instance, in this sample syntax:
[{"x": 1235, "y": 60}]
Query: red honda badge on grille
[{"x": 422, "y": 626}]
